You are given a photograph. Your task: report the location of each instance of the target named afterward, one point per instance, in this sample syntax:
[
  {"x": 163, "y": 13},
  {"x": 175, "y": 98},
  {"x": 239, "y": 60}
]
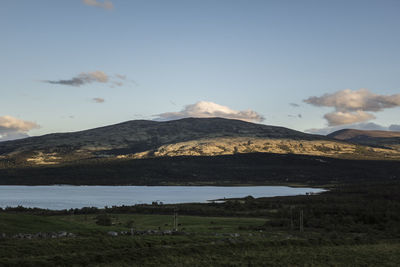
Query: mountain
[
  {"x": 184, "y": 137},
  {"x": 385, "y": 139},
  {"x": 352, "y": 134}
]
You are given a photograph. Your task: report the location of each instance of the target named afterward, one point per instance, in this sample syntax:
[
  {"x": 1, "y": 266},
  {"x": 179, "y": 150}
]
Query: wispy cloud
[
  {"x": 204, "y": 109},
  {"x": 295, "y": 116},
  {"x": 120, "y": 76},
  {"x": 14, "y": 128},
  {"x": 114, "y": 83},
  {"x": 91, "y": 77},
  {"x": 353, "y": 106},
  {"x": 83, "y": 78},
  {"x": 98, "y": 100},
  {"x": 106, "y": 4},
  {"x": 294, "y": 105}
]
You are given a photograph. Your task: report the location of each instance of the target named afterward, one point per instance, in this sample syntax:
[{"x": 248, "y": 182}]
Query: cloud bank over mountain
[
  {"x": 353, "y": 106},
  {"x": 204, "y": 109},
  {"x": 14, "y": 128}
]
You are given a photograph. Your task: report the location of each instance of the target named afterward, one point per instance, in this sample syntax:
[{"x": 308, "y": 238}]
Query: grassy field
[
  {"x": 349, "y": 225},
  {"x": 86, "y": 224},
  {"x": 211, "y": 241}
]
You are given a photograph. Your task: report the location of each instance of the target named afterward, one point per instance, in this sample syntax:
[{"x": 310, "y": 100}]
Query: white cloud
[
  {"x": 97, "y": 76},
  {"x": 204, "y": 109},
  {"x": 348, "y": 100},
  {"x": 340, "y": 118},
  {"x": 106, "y": 4},
  {"x": 13, "y": 128},
  {"x": 351, "y": 106}
]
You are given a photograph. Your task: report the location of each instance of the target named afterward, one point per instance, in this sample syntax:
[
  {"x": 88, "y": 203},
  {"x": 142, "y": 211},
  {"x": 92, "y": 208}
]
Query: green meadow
[{"x": 215, "y": 241}]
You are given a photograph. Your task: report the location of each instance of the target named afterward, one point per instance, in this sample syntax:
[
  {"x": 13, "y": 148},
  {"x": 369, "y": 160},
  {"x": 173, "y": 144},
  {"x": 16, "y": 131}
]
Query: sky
[{"x": 313, "y": 66}]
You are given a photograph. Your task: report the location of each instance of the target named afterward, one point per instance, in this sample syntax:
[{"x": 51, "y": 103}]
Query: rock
[
  {"x": 62, "y": 234},
  {"x": 71, "y": 235},
  {"x": 112, "y": 233}
]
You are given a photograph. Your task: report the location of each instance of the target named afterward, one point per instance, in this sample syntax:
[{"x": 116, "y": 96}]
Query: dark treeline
[{"x": 257, "y": 168}]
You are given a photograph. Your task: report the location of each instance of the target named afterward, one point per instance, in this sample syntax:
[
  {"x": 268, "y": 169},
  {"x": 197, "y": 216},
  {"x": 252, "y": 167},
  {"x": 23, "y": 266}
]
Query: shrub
[{"x": 104, "y": 220}]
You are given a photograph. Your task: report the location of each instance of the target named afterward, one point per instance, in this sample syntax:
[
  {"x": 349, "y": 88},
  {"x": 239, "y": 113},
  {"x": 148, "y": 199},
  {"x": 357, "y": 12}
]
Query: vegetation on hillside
[{"x": 255, "y": 168}]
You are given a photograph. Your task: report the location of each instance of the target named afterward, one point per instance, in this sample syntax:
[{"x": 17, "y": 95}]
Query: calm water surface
[{"x": 65, "y": 196}]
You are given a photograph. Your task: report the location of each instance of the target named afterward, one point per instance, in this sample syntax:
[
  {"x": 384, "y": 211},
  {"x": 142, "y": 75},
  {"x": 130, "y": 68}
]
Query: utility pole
[
  {"x": 301, "y": 221},
  {"x": 175, "y": 220}
]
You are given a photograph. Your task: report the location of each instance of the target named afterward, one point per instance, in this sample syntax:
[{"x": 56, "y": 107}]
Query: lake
[{"x": 57, "y": 197}]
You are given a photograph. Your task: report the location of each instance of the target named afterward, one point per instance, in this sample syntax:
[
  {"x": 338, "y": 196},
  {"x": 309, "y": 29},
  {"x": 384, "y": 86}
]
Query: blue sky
[{"x": 257, "y": 55}]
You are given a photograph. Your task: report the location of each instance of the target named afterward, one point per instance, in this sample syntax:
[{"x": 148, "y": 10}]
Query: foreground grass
[
  {"x": 208, "y": 241},
  {"x": 189, "y": 250}
]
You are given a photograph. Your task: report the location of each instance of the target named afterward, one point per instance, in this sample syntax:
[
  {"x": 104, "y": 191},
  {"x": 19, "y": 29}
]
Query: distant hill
[
  {"x": 387, "y": 139},
  {"x": 185, "y": 137},
  {"x": 348, "y": 134}
]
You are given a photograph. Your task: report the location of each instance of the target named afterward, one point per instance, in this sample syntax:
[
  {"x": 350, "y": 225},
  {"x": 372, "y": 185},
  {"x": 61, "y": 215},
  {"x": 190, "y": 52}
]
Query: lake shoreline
[{"x": 67, "y": 196}]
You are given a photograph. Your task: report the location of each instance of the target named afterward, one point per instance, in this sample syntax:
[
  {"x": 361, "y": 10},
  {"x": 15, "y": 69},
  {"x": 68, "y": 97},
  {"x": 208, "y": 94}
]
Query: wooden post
[
  {"x": 301, "y": 221},
  {"x": 291, "y": 218},
  {"x": 175, "y": 227}
]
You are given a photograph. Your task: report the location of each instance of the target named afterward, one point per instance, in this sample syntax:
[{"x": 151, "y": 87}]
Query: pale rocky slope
[{"x": 228, "y": 146}]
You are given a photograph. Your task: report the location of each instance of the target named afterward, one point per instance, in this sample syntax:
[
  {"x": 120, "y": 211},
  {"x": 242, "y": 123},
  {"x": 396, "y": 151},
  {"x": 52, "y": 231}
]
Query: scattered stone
[
  {"x": 167, "y": 232},
  {"x": 112, "y": 233},
  {"x": 62, "y": 234},
  {"x": 40, "y": 235}
]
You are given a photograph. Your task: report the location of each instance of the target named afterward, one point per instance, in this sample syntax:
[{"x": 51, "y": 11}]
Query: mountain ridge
[
  {"x": 345, "y": 134},
  {"x": 376, "y": 138},
  {"x": 189, "y": 137}
]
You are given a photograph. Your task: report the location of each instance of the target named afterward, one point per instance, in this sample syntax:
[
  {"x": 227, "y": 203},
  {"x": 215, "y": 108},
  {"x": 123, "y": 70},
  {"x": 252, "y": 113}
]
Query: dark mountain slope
[{"x": 140, "y": 135}]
